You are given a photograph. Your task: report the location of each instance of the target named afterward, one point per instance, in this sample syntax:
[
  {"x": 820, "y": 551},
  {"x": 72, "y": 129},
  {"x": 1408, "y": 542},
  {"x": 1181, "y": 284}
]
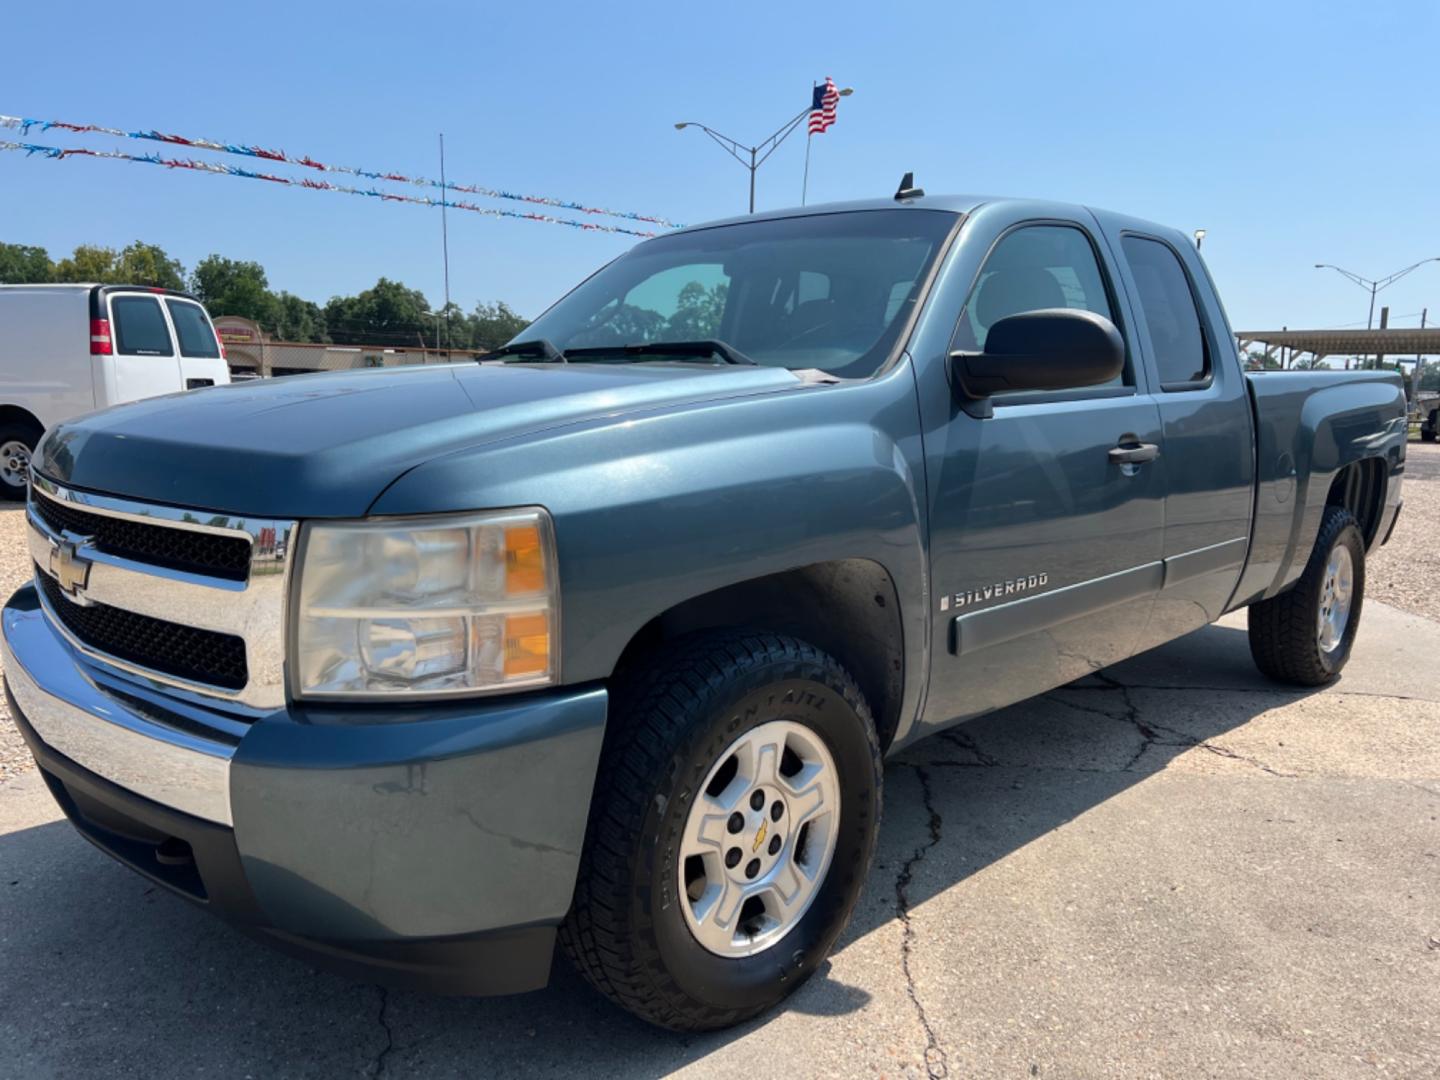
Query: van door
[
  {"x": 201, "y": 363},
  {"x": 1046, "y": 524},
  {"x": 145, "y": 360}
]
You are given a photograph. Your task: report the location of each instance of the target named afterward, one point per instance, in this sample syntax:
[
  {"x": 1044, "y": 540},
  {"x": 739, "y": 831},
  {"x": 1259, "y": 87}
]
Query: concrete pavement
[{"x": 1174, "y": 868}]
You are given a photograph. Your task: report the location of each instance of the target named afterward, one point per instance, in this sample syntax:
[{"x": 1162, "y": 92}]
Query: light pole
[
  {"x": 1375, "y": 285},
  {"x": 739, "y": 150},
  {"x": 1199, "y": 238}
]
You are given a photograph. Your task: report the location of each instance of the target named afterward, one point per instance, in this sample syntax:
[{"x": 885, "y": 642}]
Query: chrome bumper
[{"x": 109, "y": 736}]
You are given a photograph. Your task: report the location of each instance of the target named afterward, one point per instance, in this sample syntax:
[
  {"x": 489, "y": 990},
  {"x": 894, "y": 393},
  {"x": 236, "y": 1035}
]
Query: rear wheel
[
  {"x": 1304, "y": 635},
  {"x": 17, "y": 442},
  {"x": 1429, "y": 433},
  {"x": 732, "y": 826}
]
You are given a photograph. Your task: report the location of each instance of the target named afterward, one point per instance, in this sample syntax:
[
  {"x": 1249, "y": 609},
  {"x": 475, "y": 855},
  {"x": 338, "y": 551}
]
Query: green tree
[
  {"x": 148, "y": 264},
  {"x": 231, "y": 287},
  {"x": 88, "y": 263},
  {"x": 697, "y": 312},
  {"x": 389, "y": 313},
  {"x": 21, "y": 264},
  {"x": 299, "y": 320},
  {"x": 492, "y": 325},
  {"x": 1308, "y": 362}
]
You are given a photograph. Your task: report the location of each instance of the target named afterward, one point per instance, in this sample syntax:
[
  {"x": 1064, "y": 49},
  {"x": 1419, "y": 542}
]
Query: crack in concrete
[
  {"x": 377, "y": 1067},
  {"x": 936, "y": 1062},
  {"x": 1150, "y": 731},
  {"x": 959, "y": 737},
  {"x": 1333, "y": 691}
]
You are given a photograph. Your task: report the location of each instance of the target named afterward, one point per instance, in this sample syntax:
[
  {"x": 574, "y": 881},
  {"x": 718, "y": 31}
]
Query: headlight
[{"x": 426, "y": 606}]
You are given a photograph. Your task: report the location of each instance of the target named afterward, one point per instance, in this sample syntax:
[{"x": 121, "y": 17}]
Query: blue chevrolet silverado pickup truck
[{"x": 603, "y": 640}]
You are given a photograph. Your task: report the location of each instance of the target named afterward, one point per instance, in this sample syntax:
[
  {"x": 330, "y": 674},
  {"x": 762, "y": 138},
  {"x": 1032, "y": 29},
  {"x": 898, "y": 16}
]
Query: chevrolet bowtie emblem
[
  {"x": 66, "y": 566},
  {"x": 759, "y": 838}
]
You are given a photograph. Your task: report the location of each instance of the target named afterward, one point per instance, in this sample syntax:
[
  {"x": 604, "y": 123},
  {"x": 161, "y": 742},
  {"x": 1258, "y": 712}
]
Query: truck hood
[{"x": 327, "y": 445}]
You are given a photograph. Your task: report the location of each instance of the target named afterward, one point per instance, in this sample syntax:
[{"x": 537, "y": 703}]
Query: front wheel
[
  {"x": 733, "y": 823},
  {"x": 1304, "y": 635}
]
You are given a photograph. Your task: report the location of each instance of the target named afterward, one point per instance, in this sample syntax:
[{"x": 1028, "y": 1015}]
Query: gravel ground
[
  {"x": 14, "y": 572},
  {"x": 1406, "y": 573}
]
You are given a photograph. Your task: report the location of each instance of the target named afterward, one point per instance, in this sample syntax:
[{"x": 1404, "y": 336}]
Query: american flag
[{"x": 822, "y": 106}]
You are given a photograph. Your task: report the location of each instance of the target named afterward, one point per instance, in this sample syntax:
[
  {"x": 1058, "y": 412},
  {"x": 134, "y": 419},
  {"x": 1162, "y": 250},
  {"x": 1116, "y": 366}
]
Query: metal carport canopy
[{"x": 1390, "y": 342}]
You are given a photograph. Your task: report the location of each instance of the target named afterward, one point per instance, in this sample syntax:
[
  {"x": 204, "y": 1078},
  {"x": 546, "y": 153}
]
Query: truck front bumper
[{"x": 428, "y": 846}]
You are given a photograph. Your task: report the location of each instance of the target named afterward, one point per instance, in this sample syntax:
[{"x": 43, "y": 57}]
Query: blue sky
[{"x": 1295, "y": 133}]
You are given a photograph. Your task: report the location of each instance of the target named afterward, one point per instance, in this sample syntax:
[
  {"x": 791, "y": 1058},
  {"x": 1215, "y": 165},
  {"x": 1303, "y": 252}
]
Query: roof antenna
[{"x": 907, "y": 189}]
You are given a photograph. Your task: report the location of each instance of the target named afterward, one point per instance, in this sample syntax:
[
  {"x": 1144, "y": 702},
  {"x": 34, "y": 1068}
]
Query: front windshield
[{"x": 830, "y": 291}]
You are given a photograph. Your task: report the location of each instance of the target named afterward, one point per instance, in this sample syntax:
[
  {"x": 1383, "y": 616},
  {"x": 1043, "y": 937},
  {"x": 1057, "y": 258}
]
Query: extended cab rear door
[
  {"x": 1209, "y": 442},
  {"x": 144, "y": 362}
]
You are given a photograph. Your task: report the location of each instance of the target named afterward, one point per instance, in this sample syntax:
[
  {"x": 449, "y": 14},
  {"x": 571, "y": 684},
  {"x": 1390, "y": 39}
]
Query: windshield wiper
[
  {"x": 535, "y": 348},
  {"x": 684, "y": 349}
]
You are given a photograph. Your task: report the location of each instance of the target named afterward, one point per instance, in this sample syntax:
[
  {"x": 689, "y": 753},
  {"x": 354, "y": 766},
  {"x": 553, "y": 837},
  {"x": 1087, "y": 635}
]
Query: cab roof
[{"x": 954, "y": 204}]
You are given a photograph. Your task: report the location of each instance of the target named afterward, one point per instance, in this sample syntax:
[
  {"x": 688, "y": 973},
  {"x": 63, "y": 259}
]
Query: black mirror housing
[{"x": 1050, "y": 349}]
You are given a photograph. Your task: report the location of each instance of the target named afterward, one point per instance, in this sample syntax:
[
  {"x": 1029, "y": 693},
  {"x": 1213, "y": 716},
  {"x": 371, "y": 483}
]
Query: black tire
[
  {"x": 670, "y": 722},
  {"x": 1428, "y": 434},
  {"x": 1283, "y": 637},
  {"x": 28, "y": 434}
]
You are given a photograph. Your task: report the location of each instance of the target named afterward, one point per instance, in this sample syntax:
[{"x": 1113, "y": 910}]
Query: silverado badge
[{"x": 1008, "y": 587}]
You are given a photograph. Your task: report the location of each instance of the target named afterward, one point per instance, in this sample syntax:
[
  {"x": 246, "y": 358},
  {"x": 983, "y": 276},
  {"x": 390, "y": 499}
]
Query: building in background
[{"x": 250, "y": 351}]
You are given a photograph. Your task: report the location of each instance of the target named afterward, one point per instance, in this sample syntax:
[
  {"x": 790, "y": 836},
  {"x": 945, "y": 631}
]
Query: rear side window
[
  {"x": 1176, "y": 338},
  {"x": 140, "y": 328},
  {"x": 193, "y": 328}
]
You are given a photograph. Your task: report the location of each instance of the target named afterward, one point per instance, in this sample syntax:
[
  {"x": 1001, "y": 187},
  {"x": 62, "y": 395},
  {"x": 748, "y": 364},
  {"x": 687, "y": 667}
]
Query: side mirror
[{"x": 1051, "y": 349}]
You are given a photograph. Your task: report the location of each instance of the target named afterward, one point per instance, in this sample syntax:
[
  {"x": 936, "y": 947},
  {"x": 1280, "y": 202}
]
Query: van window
[
  {"x": 193, "y": 329},
  {"x": 140, "y": 328}
]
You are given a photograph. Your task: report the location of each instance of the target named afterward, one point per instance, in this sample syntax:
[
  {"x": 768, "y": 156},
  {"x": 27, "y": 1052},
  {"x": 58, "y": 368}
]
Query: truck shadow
[{"x": 111, "y": 973}]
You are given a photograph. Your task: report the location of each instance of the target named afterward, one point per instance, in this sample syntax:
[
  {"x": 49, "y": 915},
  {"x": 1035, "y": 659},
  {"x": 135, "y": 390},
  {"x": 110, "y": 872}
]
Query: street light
[
  {"x": 1199, "y": 238},
  {"x": 1373, "y": 285},
  {"x": 738, "y": 150}
]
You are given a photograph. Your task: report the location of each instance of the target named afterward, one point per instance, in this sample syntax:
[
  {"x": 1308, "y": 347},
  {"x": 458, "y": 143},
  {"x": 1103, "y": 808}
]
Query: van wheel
[
  {"x": 733, "y": 823},
  {"x": 1427, "y": 434},
  {"x": 17, "y": 442},
  {"x": 1304, "y": 635}
]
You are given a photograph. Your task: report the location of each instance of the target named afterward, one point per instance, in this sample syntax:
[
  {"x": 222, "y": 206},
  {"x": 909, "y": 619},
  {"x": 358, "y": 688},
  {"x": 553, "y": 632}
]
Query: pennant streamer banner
[
  {"x": 60, "y": 153},
  {"x": 23, "y": 125}
]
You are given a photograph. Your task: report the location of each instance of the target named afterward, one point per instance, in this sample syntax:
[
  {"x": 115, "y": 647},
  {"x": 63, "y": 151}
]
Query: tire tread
[{"x": 655, "y": 706}]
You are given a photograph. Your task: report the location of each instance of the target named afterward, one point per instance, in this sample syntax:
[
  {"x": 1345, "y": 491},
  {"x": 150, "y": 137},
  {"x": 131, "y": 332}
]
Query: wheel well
[
  {"x": 849, "y": 608},
  {"x": 14, "y": 414},
  {"x": 1360, "y": 488}
]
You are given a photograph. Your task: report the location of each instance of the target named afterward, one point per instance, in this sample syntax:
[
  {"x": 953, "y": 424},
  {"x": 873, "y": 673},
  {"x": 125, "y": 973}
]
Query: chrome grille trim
[{"x": 253, "y": 610}]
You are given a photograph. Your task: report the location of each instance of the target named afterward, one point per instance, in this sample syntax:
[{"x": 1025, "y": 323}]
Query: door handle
[{"x": 1134, "y": 453}]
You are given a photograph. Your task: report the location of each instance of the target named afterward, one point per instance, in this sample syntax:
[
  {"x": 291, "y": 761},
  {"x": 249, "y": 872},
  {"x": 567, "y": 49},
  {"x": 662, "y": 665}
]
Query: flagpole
[
  {"x": 805, "y": 183},
  {"x": 809, "y": 138}
]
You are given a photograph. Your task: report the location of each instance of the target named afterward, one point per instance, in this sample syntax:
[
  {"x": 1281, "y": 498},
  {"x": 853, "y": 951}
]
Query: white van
[{"x": 71, "y": 349}]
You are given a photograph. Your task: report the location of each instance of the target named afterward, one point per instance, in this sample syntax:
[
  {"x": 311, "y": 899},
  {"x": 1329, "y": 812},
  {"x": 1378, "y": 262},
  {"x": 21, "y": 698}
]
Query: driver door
[{"x": 1045, "y": 551}]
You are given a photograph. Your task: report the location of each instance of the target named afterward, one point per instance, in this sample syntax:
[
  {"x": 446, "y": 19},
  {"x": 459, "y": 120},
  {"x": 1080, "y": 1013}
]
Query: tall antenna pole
[{"x": 445, "y": 239}]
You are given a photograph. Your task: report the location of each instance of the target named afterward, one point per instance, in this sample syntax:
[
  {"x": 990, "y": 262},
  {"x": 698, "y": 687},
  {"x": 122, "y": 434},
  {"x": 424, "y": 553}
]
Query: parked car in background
[
  {"x": 72, "y": 349},
  {"x": 602, "y": 640}
]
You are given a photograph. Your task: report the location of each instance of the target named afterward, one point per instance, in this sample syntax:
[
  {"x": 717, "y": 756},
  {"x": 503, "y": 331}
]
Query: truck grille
[
  {"x": 185, "y": 652},
  {"x": 195, "y": 599},
  {"x": 225, "y": 557}
]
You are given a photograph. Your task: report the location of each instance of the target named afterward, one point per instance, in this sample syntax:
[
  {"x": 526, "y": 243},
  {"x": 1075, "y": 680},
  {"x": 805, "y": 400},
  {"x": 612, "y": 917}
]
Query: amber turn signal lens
[
  {"x": 527, "y": 644},
  {"x": 524, "y": 560}
]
